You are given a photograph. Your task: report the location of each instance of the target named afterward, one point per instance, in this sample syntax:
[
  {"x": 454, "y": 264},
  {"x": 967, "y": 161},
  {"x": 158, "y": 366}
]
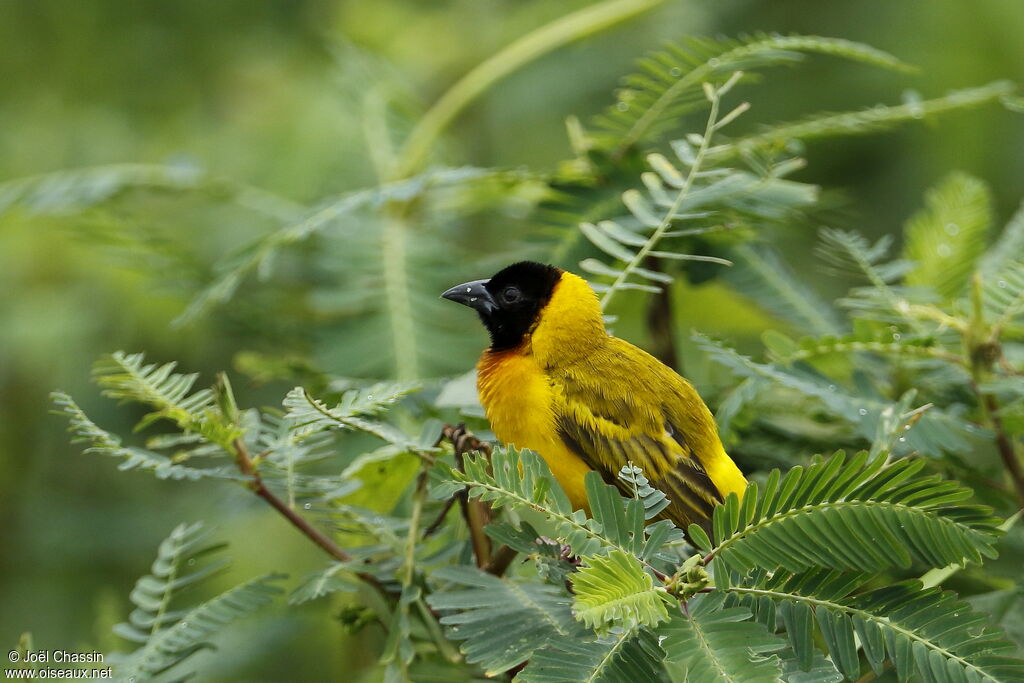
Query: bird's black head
[{"x": 510, "y": 302}]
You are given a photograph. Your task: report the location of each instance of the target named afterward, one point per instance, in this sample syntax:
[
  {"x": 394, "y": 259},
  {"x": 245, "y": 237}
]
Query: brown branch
[
  {"x": 476, "y": 512},
  {"x": 660, "y": 319},
  {"x": 501, "y": 560},
  {"x": 1006, "y": 450},
  {"x": 245, "y": 464}
]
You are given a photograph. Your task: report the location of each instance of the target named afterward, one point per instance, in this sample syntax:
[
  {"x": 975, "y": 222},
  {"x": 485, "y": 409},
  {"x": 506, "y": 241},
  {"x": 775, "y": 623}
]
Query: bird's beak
[{"x": 472, "y": 294}]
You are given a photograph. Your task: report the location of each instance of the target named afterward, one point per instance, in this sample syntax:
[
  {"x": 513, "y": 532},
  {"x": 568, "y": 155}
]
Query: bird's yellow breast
[{"x": 519, "y": 402}]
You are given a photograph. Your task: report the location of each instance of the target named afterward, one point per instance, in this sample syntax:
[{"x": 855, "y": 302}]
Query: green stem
[
  {"x": 666, "y": 221},
  {"x": 400, "y": 309},
  {"x": 535, "y": 44}
]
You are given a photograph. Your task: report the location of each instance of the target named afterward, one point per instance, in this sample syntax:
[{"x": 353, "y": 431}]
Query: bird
[{"x": 554, "y": 381}]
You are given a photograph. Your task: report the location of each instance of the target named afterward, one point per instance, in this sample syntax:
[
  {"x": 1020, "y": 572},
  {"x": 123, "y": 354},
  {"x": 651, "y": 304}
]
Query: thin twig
[
  {"x": 245, "y": 464},
  {"x": 301, "y": 523},
  {"x": 476, "y": 513},
  {"x": 501, "y": 560},
  {"x": 1006, "y": 450}
]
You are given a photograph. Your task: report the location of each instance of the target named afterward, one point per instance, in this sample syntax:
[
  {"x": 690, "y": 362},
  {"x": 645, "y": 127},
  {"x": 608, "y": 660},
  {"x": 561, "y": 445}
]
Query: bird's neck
[{"x": 570, "y": 326}]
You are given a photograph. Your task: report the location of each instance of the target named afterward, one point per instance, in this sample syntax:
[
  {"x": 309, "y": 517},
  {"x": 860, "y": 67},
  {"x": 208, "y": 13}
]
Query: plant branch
[
  {"x": 247, "y": 468},
  {"x": 1004, "y": 445},
  {"x": 476, "y": 513},
  {"x": 666, "y": 221},
  {"x": 535, "y": 44}
]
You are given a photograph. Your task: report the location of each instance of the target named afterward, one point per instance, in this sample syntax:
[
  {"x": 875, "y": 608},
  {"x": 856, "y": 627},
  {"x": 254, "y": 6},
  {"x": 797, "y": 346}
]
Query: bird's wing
[{"x": 619, "y": 411}]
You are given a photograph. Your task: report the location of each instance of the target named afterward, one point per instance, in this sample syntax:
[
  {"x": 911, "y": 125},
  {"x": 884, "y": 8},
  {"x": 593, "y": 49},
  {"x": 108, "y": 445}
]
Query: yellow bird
[{"x": 554, "y": 381}]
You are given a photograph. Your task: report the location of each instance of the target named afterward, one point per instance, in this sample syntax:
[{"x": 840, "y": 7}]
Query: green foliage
[
  {"x": 127, "y": 377},
  {"x": 100, "y": 441},
  {"x": 806, "y": 577},
  {"x": 923, "y": 632},
  {"x": 883, "y": 513},
  {"x": 934, "y": 432},
  {"x": 168, "y": 632},
  {"x": 309, "y": 416},
  {"x": 520, "y": 480},
  {"x": 614, "y": 590},
  {"x": 686, "y": 191},
  {"x": 946, "y": 238},
  {"x": 872, "y": 120},
  {"x": 710, "y": 642},
  {"x": 654, "y": 500},
  {"x": 502, "y": 621},
  {"x": 620, "y": 657},
  {"x": 669, "y": 83}
]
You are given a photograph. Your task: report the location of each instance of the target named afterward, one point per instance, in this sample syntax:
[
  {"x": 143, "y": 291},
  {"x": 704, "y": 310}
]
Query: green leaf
[
  {"x": 711, "y": 643},
  {"x": 521, "y": 480},
  {"x": 502, "y": 622},
  {"x": 168, "y": 633},
  {"x": 924, "y": 632},
  {"x": 614, "y": 591},
  {"x": 310, "y": 416},
  {"x": 127, "y": 377},
  {"x": 763, "y": 276},
  {"x": 934, "y": 433},
  {"x": 1008, "y": 248},
  {"x": 1003, "y": 294},
  {"x": 324, "y": 582},
  {"x": 654, "y": 501},
  {"x": 613, "y": 659},
  {"x": 945, "y": 239},
  {"x": 132, "y": 458},
  {"x": 668, "y": 84},
  {"x": 865, "y": 121},
  {"x": 863, "y": 514}
]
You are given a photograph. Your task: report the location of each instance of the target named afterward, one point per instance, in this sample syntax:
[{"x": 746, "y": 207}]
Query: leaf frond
[
  {"x": 167, "y": 636},
  {"x": 883, "y": 513}
]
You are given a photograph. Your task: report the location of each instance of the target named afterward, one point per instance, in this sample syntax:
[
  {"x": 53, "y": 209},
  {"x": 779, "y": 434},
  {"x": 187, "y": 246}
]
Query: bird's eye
[{"x": 511, "y": 295}]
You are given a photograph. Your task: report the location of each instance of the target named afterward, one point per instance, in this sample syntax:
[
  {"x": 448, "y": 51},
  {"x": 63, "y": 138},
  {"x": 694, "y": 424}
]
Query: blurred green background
[{"x": 282, "y": 95}]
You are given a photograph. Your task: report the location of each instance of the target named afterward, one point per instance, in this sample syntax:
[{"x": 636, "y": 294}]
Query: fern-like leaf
[
  {"x": 711, "y": 643},
  {"x": 654, "y": 500},
  {"x": 614, "y": 590},
  {"x": 257, "y": 257},
  {"x": 521, "y": 480},
  {"x": 863, "y": 514},
  {"x": 168, "y": 633},
  {"x": 945, "y": 239},
  {"x": 623, "y": 656},
  {"x": 311, "y": 416},
  {"x": 323, "y": 582},
  {"x": 100, "y": 441},
  {"x": 127, "y": 377},
  {"x": 669, "y": 82},
  {"x": 924, "y": 632},
  {"x": 865, "y": 121},
  {"x": 934, "y": 433},
  {"x": 1003, "y": 295},
  {"x": 1008, "y": 248},
  {"x": 763, "y": 276},
  {"x": 502, "y": 622}
]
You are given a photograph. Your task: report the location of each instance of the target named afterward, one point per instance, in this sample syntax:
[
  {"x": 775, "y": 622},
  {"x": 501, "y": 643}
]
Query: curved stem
[
  {"x": 535, "y": 44},
  {"x": 666, "y": 221}
]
